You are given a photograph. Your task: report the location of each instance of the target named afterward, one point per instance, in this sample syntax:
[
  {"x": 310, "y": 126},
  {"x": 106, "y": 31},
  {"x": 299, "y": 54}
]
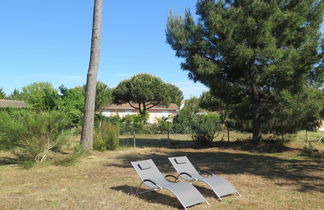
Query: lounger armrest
[
  {"x": 184, "y": 173},
  {"x": 169, "y": 175},
  {"x": 206, "y": 172},
  {"x": 148, "y": 180}
]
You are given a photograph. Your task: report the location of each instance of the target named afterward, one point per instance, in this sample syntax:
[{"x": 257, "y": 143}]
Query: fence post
[
  {"x": 134, "y": 138},
  {"x": 169, "y": 134}
]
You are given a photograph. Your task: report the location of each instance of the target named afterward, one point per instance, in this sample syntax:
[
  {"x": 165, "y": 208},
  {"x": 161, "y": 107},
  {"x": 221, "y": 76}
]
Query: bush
[
  {"x": 72, "y": 158},
  {"x": 163, "y": 125},
  {"x": 33, "y": 135},
  {"x": 204, "y": 128},
  {"x": 130, "y": 123},
  {"x": 106, "y": 137},
  {"x": 98, "y": 142}
]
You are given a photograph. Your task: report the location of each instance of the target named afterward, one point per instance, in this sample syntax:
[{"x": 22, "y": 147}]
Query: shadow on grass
[
  {"x": 159, "y": 143},
  {"x": 157, "y": 197},
  {"x": 244, "y": 145},
  {"x": 152, "y": 197},
  {"x": 299, "y": 173},
  {"x": 9, "y": 161}
]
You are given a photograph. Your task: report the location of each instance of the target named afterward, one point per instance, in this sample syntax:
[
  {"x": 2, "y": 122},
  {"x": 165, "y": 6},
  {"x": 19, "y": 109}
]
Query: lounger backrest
[
  {"x": 182, "y": 164},
  {"x": 146, "y": 169}
]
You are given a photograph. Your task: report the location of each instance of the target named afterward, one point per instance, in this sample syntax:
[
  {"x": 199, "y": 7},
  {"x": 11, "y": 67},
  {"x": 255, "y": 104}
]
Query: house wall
[
  {"x": 322, "y": 126},
  {"x": 153, "y": 115}
]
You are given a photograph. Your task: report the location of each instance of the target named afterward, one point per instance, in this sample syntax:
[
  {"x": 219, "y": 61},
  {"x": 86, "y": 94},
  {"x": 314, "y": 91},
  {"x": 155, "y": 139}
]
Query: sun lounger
[
  {"x": 187, "y": 171},
  {"x": 150, "y": 175}
]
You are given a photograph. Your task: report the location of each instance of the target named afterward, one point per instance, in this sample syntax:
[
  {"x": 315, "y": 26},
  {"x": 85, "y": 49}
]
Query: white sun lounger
[
  {"x": 150, "y": 175},
  {"x": 187, "y": 171}
]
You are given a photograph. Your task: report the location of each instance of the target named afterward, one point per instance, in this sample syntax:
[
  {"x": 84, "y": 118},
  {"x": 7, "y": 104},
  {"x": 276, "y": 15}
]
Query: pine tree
[
  {"x": 2, "y": 94},
  {"x": 145, "y": 91},
  {"x": 249, "y": 51},
  {"x": 90, "y": 92}
]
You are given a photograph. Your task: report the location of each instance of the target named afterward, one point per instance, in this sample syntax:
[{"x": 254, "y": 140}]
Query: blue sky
[{"x": 49, "y": 40}]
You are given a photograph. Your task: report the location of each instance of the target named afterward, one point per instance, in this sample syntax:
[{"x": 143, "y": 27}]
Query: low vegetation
[
  {"x": 281, "y": 178},
  {"x": 106, "y": 137},
  {"x": 204, "y": 128},
  {"x": 34, "y": 137}
]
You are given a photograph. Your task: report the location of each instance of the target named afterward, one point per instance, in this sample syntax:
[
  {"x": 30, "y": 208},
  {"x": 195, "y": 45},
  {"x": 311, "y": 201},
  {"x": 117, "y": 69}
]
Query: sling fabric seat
[
  {"x": 150, "y": 175},
  {"x": 186, "y": 170}
]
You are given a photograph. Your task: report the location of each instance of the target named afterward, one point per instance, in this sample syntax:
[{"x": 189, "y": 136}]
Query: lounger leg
[
  {"x": 207, "y": 202},
  {"x": 184, "y": 207},
  {"x": 137, "y": 193},
  {"x": 138, "y": 188},
  {"x": 239, "y": 194}
]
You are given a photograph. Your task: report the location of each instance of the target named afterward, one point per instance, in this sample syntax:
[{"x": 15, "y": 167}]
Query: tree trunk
[
  {"x": 228, "y": 132},
  {"x": 90, "y": 93},
  {"x": 256, "y": 122}
]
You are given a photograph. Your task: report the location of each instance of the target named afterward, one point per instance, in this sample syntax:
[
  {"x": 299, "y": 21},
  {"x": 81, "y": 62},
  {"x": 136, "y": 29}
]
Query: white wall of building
[{"x": 153, "y": 116}]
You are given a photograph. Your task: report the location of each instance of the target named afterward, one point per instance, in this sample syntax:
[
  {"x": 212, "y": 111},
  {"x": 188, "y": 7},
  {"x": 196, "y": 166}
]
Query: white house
[{"x": 156, "y": 112}]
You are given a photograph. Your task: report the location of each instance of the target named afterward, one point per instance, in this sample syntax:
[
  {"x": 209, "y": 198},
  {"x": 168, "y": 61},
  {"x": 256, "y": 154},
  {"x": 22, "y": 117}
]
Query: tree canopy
[
  {"x": 2, "y": 94},
  {"x": 71, "y": 102},
  {"x": 183, "y": 120},
  {"x": 103, "y": 95},
  {"x": 249, "y": 53},
  {"x": 40, "y": 95},
  {"x": 144, "y": 91}
]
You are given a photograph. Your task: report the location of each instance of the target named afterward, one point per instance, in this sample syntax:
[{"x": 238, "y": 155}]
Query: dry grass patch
[{"x": 106, "y": 180}]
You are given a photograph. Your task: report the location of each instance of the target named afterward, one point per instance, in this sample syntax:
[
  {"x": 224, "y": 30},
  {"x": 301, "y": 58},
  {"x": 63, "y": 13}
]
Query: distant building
[
  {"x": 156, "y": 112},
  {"x": 6, "y": 103},
  {"x": 321, "y": 128}
]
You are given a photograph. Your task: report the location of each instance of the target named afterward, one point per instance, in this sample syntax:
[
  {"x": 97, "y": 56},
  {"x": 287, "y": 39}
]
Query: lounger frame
[
  {"x": 188, "y": 172},
  {"x": 153, "y": 179}
]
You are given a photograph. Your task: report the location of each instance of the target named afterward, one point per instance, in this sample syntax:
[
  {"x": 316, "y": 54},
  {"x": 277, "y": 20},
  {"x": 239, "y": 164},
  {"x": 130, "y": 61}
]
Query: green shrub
[
  {"x": 204, "y": 128},
  {"x": 110, "y": 134},
  {"x": 33, "y": 135},
  {"x": 163, "y": 125},
  {"x": 136, "y": 122},
  {"x": 183, "y": 120},
  {"x": 27, "y": 164},
  {"x": 150, "y": 129},
  {"x": 106, "y": 137},
  {"x": 72, "y": 158},
  {"x": 98, "y": 142}
]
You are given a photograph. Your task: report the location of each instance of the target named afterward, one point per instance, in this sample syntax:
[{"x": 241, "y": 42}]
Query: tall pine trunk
[
  {"x": 256, "y": 122},
  {"x": 256, "y": 113},
  {"x": 90, "y": 92}
]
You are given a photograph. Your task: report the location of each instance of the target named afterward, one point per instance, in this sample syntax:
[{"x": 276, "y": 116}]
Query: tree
[
  {"x": 211, "y": 103},
  {"x": 183, "y": 120},
  {"x": 103, "y": 95},
  {"x": 297, "y": 112},
  {"x": 40, "y": 95},
  {"x": 144, "y": 91},
  {"x": 204, "y": 128},
  {"x": 71, "y": 102},
  {"x": 90, "y": 93},
  {"x": 249, "y": 52},
  {"x": 2, "y": 94},
  {"x": 15, "y": 94}
]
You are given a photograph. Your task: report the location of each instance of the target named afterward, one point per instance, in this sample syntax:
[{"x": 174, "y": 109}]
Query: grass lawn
[{"x": 268, "y": 177}]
